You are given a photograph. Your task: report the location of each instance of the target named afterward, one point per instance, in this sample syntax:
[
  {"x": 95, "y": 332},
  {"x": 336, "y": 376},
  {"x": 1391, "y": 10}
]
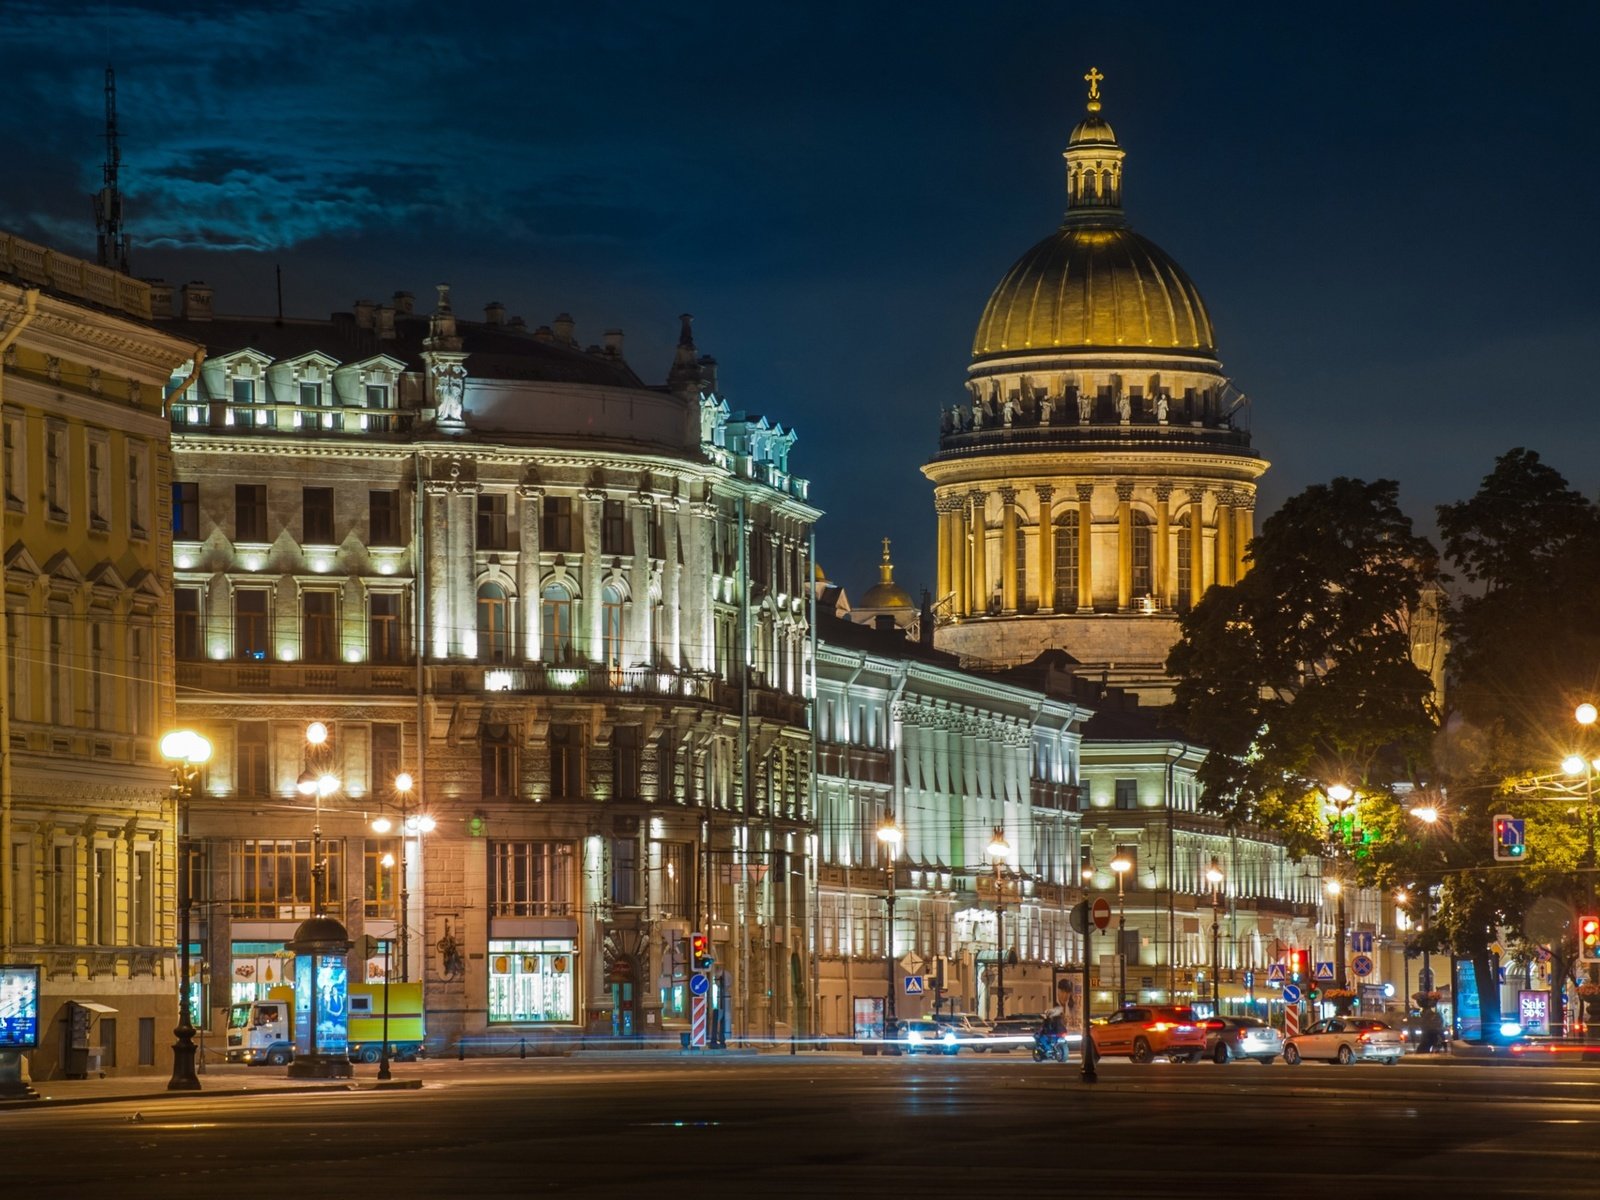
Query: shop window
[{"x": 533, "y": 980}]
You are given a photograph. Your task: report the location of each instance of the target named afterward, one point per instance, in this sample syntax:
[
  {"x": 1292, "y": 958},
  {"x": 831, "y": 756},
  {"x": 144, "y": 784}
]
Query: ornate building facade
[
  {"x": 86, "y": 809},
  {"x": 568, "y": 605},
  {"x": 1100, "y": 475}
]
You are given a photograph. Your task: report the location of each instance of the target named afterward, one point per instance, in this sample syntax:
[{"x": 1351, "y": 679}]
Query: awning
[{"x": 102, "y": 1009}]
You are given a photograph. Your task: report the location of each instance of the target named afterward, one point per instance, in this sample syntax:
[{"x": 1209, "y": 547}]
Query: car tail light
[
  {"x": 1366, "y": 1037},
  {"x": 1158, "y": 1026}
]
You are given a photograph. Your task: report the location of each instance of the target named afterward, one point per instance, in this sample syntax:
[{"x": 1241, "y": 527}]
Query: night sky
[{"x": 1391, "y": 210}]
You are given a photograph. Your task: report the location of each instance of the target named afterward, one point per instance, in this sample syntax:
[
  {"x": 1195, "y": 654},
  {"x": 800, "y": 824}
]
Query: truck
[{"x": 261, "y": 1032}]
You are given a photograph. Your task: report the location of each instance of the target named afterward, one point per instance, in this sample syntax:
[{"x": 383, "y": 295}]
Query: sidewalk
[{"x": 225, "y": 1081}]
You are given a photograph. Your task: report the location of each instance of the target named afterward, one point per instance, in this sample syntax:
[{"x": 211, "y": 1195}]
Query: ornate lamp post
[
  {"x": 412, "y": 824},
  {"x": 999, "y": 850},
  {"x": 1122, "y": 866},
  {"x": 317, "y": 781},
  {"x": 889, "y": 835},
  {"x": 1214, "y": 878},
  {"x": 387, "y": 863},
  {"x": 1342, "y": 798},
  {"x": 186, "y": 752}
]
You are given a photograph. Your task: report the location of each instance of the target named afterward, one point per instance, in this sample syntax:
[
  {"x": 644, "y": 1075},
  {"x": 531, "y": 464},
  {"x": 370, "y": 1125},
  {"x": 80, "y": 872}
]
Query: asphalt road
[{"x": 834, "y": 1125}]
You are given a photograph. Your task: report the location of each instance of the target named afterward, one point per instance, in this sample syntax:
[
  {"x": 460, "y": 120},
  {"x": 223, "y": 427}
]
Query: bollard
[
  {"x": 524, "y": 1048},
  {"x": 461, "y": 1049}
]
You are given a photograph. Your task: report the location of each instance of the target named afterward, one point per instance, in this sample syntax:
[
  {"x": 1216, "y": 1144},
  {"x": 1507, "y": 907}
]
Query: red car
[{"x": 1147, "y": 1032}]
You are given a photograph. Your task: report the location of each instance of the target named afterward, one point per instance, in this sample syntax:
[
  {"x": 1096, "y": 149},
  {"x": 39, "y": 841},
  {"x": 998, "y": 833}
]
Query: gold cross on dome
[{"x": 1093, "y": 79}]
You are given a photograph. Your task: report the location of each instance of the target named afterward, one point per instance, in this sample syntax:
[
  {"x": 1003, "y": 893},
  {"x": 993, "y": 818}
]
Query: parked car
[
  {"x": 1346, "y": 1040},
  {"x": 1012, "y": 1033},
  {"x": 969, "y": 1028},
  {"x": 1228, "y": 1038},
  {"x": 922, "y": 1035},
  {"x": 1147, "y": 1032}
]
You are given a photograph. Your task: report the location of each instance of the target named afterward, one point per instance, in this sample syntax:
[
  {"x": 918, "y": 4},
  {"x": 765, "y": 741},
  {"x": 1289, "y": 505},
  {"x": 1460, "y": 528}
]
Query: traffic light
[
  {"x": 700, "y": 952},
  {"x": 1312, "y": 995},
  {"x": 1589, "y": 939},
  {"x": 1297, "y": 965},
  {"x": 1509, "y": 841}
]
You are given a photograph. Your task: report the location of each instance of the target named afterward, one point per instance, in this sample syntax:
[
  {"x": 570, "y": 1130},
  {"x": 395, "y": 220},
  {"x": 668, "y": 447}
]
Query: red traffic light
[
  {"x": 700, "y": 952},
  {"x": 1589, "y": 939}
]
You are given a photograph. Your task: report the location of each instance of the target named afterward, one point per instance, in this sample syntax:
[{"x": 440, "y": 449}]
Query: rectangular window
[
  {"x": 316, "y": 511},
  {"x": 532, "y": 879},
  {"x": 616, "y": 533},
  {"x": 60, "y": 679},
  {"x": 498, "y": 762},
  {"x": 250, "y": 512},
  {"x": 99, "y": 676},
  {"x": 491, "y": 521},
  {"x": 533, "y": 980},
  {"x": 55, "y": 472},
  {"x": 138, "y": 491},
  {"x": 626, "y": 758},
  {"x": 98, "y": 492},
  {"x": 673, "y": 886},
  {"x": 383, "y": 518},
  {"x": 105, "y": 896},
  {"x": 186, "y": 623},
  {"x": 142, "y": 899},
  {"x": 1127, "y": 793},
  {"x": 566, "y": 762},
  {"x": 22, "y": 893},
  {"x": 186, "y": 512},
  {"x": 555, "y": 532},
  {"x": 625, "y": 871},
  {"x": 61, "y": 898},
  {"x": 319, "y": 626},
  {"x": 272, "y": 877},
  {"x": 246, "y": 395},
  {"x": 252, "y": 773},
  {"x": 385, "y": 756},
  {"x": 16, "y": 461},
  {"x": 382, "y": 868},
  {"x": 251, "y": 635},
  {"x": 383, "y": 627}
]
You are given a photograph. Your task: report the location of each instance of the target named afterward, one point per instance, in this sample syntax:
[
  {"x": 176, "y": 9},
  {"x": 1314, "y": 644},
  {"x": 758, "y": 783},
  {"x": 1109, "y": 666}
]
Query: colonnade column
[
  {"x": 530, "y": 507},
  {"x": 942, "y": 587},
  {"x": 1244, "y": 522},
  {"x": 1124, "y": 545},
  {"x": 637, "y": 633},
  {"x": 463, "y": 569},
  {"x": 1224, "y": 538},
  {"x": 1047, "y": 549},
  {"x": 1197, "y": 544},
  {"x": 1010, "y": 601},
  {"x": 1161, "y": 565},
  {"x": 671, "y": 637},
  {"x": 589, "y": 642},
  {"x": 1085, "y": 547},
  {"x": 958, "y": 558},
  {"x": 699, "y": 524},
  {"x": 977, "y": 584}
]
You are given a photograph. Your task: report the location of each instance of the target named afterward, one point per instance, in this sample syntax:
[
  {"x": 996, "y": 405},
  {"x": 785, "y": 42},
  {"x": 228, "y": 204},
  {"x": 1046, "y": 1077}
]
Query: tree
[{"x": 1301, "y": 673}]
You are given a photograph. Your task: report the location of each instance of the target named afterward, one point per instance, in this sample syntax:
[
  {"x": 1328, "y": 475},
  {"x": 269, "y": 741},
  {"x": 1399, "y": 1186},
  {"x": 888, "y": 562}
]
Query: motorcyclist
[{"x": 1051, "y": 1030}]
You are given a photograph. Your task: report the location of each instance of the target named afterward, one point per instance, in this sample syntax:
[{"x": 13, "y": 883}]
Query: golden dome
[
  {"x": 1091, "y": 287},
  {"x": 1094, "y": 284},
  {"x": 886, "y": 593}
]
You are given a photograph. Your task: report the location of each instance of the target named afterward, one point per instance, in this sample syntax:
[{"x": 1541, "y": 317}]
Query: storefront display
[{"x": 533, "y": 980}]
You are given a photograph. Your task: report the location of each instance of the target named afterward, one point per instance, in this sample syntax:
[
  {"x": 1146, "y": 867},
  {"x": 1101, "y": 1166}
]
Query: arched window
[
  {"x": 1067, "y": 562},
  {"x": 555, "y": 604},
  {"x": 494, "y": 636},
  {"x": 1141, "y": 555},
  {"x": 611, "y": 625},
  {"x": 1185, "y": 593}
]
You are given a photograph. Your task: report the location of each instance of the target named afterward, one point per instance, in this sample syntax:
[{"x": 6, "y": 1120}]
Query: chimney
[
  {"x": 563, "y": 326},
  {"x": 517, "y": 323},
  {"x": 195, "y": 304},
  {"x": 614, "y": 343},
  {"x": 364, "y": 314},
  {"x": 403, "y": 303},
  {"x": 708, "y": 372},
  {"x": 494, "y": 313},
  {"x": 160, "y": 298},
  {"x": 385, "y": 322}
]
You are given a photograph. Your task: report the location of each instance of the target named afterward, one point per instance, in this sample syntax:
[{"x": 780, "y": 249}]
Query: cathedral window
[
  {"x": 1141, "y": 555},
  {"x": 1185, "y": 596},
  {"x": 1066, "y": 564},
  {"x": 1021, "y": 566}
]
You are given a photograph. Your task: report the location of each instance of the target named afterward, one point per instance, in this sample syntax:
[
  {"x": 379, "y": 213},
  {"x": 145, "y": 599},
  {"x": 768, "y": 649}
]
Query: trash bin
[{"x": 93, "y": 1065}]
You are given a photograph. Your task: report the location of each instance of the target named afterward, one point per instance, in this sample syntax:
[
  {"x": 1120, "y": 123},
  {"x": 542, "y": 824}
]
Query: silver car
[
  {"x": 1229, "y": 1038},
  {"x": 1346, "y": 1040}
]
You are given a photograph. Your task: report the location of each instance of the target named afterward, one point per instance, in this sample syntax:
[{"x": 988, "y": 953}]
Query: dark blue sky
[{"x": 1389, "y": 209}]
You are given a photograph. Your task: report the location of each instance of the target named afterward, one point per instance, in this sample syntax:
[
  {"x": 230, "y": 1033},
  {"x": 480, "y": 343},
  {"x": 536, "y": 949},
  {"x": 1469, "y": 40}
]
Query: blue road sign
[
  {"x": 1322, "y": 972},
  {"x": 1361, "y": 964},
  {"x": 1361, "y": 941},
  {"x": 1276, "y": 973},
  {"x": 1291, "y": 994},
  {"x": 699, "y": 983},
  {"x": 1249, "y": 979},
  {"x": 913, "y": 985}
]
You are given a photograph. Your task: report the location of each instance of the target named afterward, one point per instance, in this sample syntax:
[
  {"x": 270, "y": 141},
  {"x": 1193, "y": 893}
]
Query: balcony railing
[
  {"x": 582, "y": 679},
  {"x": 320, "y": 678},
  {"x": 290, "y": 420}
]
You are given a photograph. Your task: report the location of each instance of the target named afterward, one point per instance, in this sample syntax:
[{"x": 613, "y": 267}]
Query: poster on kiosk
[{"x": 331, "y": 992}]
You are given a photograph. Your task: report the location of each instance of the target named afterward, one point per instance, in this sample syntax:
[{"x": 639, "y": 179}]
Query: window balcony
[{"x": 323, "y": 679}]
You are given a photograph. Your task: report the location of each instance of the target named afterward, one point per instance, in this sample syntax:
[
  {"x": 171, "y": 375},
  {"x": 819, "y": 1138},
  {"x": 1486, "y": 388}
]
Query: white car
[
  {"x": 970, "y": 1029},
  {"x": 1346, "y": 1040}
]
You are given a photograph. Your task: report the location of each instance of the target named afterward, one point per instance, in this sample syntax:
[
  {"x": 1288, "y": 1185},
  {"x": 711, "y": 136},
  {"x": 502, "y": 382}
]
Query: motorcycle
[{"x": 1049, "y": 1046}]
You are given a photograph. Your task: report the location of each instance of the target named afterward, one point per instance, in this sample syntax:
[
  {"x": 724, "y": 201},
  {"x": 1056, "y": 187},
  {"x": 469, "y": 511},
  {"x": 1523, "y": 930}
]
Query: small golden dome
[
  {"x": 1089, "y": 288},
  {"x": 1092, "y": 129},
  {"x": 886, "y": 593}
]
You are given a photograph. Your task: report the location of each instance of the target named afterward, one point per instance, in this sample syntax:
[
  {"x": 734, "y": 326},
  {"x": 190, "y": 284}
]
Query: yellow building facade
[
  {"x": 1100, "y": 475},
  {"x": 86, "y": 810}
]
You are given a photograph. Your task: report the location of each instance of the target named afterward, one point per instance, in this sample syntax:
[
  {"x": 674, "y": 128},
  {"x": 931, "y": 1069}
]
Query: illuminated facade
[
  {"x": 1099, "y": 476},
  {"x": 86, "y": 813},
  {"x": 498, "y": 561}
]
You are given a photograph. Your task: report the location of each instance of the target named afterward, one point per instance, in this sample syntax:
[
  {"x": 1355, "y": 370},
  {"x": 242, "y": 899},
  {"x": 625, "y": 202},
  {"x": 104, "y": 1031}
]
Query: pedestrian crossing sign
[
  {"x": 1276, "y": 973},
  {"x": 1323, "y": 972},
  {"x": 913, "y": 985}
]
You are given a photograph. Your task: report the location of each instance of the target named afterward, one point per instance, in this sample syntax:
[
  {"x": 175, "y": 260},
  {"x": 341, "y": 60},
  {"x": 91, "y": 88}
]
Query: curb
[{"x": 393, "y": 1085}]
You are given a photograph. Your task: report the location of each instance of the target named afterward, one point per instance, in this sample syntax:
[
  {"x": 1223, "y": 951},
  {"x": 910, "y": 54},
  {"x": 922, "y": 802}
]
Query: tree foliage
[{"x": 1301, "y": 674}]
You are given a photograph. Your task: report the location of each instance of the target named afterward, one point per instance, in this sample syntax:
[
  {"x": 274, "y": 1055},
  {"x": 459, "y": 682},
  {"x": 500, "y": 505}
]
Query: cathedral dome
[
  {"x": 886, "y": 593},
  {"x": 1094, "y": 284},
  {"x": 1093, "y": 287}
]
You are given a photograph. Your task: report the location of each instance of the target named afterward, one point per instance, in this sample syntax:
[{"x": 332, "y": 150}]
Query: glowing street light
[
  {"x": 1122, "y": 865},
  {"x": 186, "y": 752},
  {"x": 999, "y": 850},
  {"x": 889, "y": 835}
]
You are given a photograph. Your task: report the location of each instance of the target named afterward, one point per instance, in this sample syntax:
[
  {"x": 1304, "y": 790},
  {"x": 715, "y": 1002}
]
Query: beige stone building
[
  {"x": 1100, "y": 475},
  {"x": 88, "y": 887}
]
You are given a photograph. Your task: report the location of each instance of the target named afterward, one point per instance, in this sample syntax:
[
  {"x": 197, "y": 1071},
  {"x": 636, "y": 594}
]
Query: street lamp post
[
  {"x": 1342, "y": 798},
  {"x": 889, "y": 835},
  {"x": 1122, "y": 866},
  {"x": 317, "y": 781},
  {"x": 999, "y": 850},
  {"x": 186, "y": 752},
  {"x": 383, "y": 1054},
  {"x": 1214, "y": 878},
  {"x": 411, "y": 824}
]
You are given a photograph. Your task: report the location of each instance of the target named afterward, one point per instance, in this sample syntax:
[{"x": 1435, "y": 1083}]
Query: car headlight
[
  {"x": 950, "y": 1038},
  {"x": 914, "y": 1036}
]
